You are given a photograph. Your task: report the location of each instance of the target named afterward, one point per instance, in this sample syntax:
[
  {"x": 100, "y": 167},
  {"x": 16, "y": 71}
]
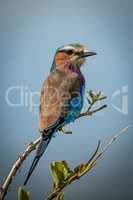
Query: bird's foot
[{"x": 62, "y": 130}]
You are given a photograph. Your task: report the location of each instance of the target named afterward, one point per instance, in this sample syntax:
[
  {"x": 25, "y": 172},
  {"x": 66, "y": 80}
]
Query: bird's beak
[{"x": 87, "y": 53}]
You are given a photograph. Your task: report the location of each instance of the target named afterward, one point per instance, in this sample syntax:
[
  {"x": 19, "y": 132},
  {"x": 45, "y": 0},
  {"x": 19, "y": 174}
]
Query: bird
[{"x": 62, "y": 95}]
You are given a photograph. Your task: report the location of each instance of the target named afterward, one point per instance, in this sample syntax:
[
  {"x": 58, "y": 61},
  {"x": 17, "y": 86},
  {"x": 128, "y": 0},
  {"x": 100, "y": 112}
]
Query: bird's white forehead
[{"x": 67, "y": 47}]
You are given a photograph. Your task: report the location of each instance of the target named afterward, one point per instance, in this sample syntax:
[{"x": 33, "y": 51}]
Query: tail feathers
[
  {"x": 41, "y": 149},
  {"x": 34, "y": 163}
]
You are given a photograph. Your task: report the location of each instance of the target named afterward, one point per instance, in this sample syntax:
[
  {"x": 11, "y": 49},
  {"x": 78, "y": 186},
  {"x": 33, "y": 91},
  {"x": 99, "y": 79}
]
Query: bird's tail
[{"x": 41, "y": 149}]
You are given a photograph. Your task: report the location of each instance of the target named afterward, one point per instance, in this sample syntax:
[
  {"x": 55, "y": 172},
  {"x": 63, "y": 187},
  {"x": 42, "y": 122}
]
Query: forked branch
[{"x": 63, "y": 176}]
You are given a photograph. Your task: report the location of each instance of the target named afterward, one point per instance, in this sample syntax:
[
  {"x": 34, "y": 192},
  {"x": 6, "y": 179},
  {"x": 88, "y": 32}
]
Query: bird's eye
[
  {"x": 69, "y": 52},
  {"x": 79, "y": 53}
]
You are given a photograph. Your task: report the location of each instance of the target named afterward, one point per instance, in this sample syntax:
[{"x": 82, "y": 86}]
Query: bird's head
[{"x": 72, "y": 55}]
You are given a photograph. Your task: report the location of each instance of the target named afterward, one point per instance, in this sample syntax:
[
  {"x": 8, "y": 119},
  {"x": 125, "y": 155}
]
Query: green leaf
[
  {"x": 102, "y": 98},
  {"x": 62, "y": 175},
  {"x": 23, "y": 194},
  {"x": 60, "y": 172},
  {"x": 90, "y": 93},
  {"x": 61, "y": 196},
  {"x": 95, "y": 96}
]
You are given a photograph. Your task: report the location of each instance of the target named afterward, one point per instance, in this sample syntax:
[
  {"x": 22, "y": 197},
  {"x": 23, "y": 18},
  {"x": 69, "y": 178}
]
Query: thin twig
[
  {"x": 91, "y": 162},
  {"x": 93, "y": 99},
  {"x": 16, "y": 166},
  {"x": 89, "y": 112},
  {"x": 116, "y": 136}
]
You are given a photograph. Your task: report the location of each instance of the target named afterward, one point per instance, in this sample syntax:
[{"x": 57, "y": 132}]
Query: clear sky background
[{"x": 30, "y": 32}]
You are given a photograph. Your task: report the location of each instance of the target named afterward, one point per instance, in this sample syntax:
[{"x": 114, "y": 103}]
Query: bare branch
[
  {"x": 4, "y": 188},
  {"x": 89, "y": 112}
]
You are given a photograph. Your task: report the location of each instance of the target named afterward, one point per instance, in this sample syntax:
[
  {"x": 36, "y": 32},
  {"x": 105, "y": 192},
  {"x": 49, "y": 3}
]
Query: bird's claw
[{"x": 62, "y": 130}]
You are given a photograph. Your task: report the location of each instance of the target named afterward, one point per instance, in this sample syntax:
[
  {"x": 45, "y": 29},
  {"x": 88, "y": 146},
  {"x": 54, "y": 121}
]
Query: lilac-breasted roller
[{"x": 62, "y": 94}]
